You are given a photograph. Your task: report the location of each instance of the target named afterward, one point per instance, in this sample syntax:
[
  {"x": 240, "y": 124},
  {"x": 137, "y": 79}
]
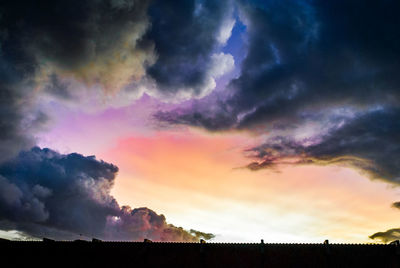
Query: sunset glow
[{"x": 229, "y": 121}]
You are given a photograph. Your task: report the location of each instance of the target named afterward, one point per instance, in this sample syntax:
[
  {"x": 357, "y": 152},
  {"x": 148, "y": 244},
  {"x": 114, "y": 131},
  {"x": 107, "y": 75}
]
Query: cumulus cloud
[
  {"x": 47, "y": 194},
  {"x": 95, "y": 42},
  {"x": 140, "y": 223},
  {"x": 185, "y": 35},
  {"x": 300, "y": 56},
  {"x": 226, "y": 31},
  {"x": 95, "y": 52},
  {"x": 221, "y": 64}
]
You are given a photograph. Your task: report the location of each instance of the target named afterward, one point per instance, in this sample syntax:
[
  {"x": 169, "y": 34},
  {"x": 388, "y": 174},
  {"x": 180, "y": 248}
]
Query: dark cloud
[
  {"x": 301, "y": 56},
  {"x": 369, "y": 142},
  {"x": 396, "y": 205},
  {"x": 89, "y": 40},
  {"x": 387, "y": 236},
  {"x": 140, "y": 223},
  {"x": 186, "y": 35},
  {"x": 94, "y": 42},
  {"x": 66, "y": 192},
  {"x": 219, "y": 120},
  {"x": 58, "y": 88},
  {"x": 309, "y": 59},
  {"x": 306, "y": 58},
  {"x": 19, "y": 120},
  {"x": 44, "y": 193},
  {"x": 47, "y": 47},
  {"x": 42, "y": 45},
  {"x": 274, "y": 152},
  {"x": 198, "y": 234}
]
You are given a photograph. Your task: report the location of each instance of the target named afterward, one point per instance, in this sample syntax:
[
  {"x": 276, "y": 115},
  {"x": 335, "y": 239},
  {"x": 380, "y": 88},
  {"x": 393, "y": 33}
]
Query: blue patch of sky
[{"x": 236, "y": 44}]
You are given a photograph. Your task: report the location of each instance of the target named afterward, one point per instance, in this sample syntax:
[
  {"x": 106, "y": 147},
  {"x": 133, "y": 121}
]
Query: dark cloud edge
[{"x": 65, "y": 197}]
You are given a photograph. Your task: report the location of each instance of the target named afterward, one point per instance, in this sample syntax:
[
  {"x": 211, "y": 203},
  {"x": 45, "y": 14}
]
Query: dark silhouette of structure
[{"x": 80, "y": 253}]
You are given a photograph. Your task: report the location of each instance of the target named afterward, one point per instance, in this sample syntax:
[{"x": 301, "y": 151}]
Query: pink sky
[{"x": 193, "y": 177}]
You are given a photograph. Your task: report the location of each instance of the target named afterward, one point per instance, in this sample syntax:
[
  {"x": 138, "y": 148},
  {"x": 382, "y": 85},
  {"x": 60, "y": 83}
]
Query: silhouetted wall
[{"x": 139, "y": 254}]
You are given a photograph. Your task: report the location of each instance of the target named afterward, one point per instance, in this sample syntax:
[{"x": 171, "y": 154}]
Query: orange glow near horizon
[{"x": 193, "y": 179}]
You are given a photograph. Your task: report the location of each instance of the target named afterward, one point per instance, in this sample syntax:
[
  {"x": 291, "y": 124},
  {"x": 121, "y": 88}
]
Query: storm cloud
[
  {"x": 115, "y": 49},
  {"x": 42, "y": 42},
  {"x": 302, "y": 65},
  {"x": 306, "y": 59},
  {"x": 47, "y": 194},
  {"x": 92, "y": 41},
  {"x": 52, "y": 48},
  {"x": 369, "y": 143},
  {"x": 303, "y": 61},
  {"x": 186, "y": 36},
  {"x": 300, "y": 57}
]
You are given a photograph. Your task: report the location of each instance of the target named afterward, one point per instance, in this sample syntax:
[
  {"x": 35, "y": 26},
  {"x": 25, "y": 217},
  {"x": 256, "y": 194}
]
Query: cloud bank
[{"x": 47, "y": 194}]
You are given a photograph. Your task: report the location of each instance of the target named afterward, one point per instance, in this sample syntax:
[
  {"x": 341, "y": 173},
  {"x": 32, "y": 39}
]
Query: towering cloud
[{"x": 44, "y": 193}]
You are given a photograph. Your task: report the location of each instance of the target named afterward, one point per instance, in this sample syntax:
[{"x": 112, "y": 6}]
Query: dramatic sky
[{"x": 227, "y": 120}]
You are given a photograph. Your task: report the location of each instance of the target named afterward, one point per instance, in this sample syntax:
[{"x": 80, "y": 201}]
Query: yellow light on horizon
[{"x": 192, "y": 179}]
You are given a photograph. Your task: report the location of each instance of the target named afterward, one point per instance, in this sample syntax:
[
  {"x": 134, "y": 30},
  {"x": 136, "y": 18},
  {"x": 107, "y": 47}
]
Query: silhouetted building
[{"x": 51, "y": 253}]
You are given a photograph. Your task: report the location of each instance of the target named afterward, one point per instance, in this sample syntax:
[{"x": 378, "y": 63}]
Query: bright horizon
[{"x": 198, "y": 181}]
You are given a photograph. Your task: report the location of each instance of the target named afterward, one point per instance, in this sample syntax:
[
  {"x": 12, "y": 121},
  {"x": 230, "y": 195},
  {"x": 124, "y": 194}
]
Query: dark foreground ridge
[{"x": 49, "y": 253}]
